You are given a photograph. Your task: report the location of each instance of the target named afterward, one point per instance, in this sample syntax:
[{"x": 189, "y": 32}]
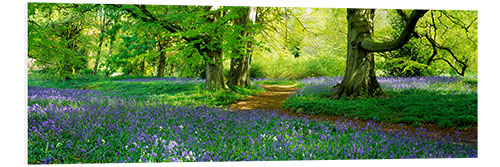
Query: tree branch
[
  {"x": 449, "y": 63},
  {"x": 456, "y": 21},
  {"x": 303, "y": 27},
  {"x": 405, "y": 17},
  {"x": 434, "y": 49},
  {"x": 452, "y": 54},
  {"x": 146, "y": 16},
  {"x": 369, "y": 45},
  {"x": 170, "y": 27}
]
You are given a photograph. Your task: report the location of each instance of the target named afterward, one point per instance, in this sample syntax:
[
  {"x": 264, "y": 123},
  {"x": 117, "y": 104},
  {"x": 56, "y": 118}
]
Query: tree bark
[
  {"x": 98, "y": 56},
  {"x": 143, "y": 67},
  {"x": 213, "y": 63},
  {"x": 239, "y": 73},
  {"x": 434, "y": 49},
  {"x": 110, "y": 54},
  {"x": 161, "y": 61},
  {"x": 359, "y": 79},
  {"x": 214, "y": 71},
  {"x": 369, "y": 45}
]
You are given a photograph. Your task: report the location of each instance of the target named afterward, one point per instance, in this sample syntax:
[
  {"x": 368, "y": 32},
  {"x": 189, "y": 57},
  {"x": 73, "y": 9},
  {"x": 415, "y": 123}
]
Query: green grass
[
  {"x": 412, "y": 107},
  {"x": 204, "y": 97},
  {"x": 176, "y": 93},
  {"x": 291, "y": 82}
]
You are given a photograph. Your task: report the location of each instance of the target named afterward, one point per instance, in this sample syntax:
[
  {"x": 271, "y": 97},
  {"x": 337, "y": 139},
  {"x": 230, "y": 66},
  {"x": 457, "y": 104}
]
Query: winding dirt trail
[
  {"x": 272, "y": 99},
  {"x": 276, "y": 95}
]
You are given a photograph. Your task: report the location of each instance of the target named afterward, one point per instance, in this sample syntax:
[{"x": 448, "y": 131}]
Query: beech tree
[
  {"x": 359, "y": 78},
  {"x": 211, "y": 49},
  {"x": 239, "y": 73},
  {"x": 202, "y": 33},
  {"x": 220, "y": 44}
]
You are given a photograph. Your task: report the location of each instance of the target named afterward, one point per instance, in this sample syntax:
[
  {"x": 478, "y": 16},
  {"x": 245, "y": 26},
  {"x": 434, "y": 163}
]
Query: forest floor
[
  {"x": 272, "y": 99},
  {"x": 276, "y": 95}
]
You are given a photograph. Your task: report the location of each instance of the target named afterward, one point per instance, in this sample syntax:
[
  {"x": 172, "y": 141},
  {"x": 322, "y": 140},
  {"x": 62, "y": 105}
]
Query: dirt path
[
  {"x": 272, "y": 99},
  {"x": 276, "y": 95}
]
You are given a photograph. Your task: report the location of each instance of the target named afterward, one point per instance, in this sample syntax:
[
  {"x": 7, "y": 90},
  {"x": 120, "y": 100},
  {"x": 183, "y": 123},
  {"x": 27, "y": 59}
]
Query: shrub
[
  {"x": 256, "y": 71},
  {"x": 287, "y": 66},
  {"x": 407, "y": 68}
]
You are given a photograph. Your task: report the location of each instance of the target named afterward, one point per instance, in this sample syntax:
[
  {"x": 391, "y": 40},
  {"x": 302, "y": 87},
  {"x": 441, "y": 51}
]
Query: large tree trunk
[
  {"x": 359, "y": 79},
  {"x": 214, "y": 71},
  {"x": 239, "y": 73}
]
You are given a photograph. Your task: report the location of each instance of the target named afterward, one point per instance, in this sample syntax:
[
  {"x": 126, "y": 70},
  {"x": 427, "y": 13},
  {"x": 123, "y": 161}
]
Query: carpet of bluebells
[
  {"x": 179, "y": 80},
  {"x": 85, "y": 126},
  {"x": 448, "y": 102},
  {"x": 319, "y": 86}
]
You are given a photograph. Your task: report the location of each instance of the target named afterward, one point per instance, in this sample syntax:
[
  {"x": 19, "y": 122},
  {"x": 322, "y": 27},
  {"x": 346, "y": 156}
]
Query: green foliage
[
  {"x": 256, "y": 71},
  {"x": 410, "y": 107},
  {"x": 407, "y": 68},
  {"x": 317, "y": 35},
  {"x": 287, "y": 66},
  {"x": 277, "y": 82},
  {"x": 63, "y": 40},
  {"x": 55, "y": 39},
  {"x": 453, "y": 32}
]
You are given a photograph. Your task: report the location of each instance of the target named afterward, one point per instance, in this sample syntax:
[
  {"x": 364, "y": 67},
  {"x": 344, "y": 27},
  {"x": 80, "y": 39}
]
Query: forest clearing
[{"x": 119, "y": 83}]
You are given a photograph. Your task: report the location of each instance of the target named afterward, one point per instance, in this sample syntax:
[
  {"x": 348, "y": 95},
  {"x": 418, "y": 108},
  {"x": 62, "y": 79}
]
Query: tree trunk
[
  {"x": 214, "y": 71},
  {"x": 143, "y": 66},
  {"x": 213, "y": 63},
  {"x": 110, "y": 53},
  {"x": 239, "y": 73},
  {"x": 359, "y": 79},
  {"x": 161, "y": 61},
  {"x": 171, "y": 69},
  {"x": 98, "y": 57}
]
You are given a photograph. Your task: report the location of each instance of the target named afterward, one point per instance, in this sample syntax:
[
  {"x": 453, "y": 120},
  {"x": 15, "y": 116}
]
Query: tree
[
  {"x": 55, "y": 38},
  {"x": 239, "y": 73},
  {"x": 444, "y": 41},
  {"x": 359, "y": 79},
  {"x": 162, "y": 45},
  {"x": 202, "y": 34},
  {"x": 108, "y": 25},
  {"x": 212, "y": 51},
  {"x": 454, "y": 40}
]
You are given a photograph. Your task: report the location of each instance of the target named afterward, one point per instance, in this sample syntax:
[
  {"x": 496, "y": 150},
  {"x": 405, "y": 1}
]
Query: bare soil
[
  {"x": 272, "y": 99},
  {"x": 276, "y": 95}
]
